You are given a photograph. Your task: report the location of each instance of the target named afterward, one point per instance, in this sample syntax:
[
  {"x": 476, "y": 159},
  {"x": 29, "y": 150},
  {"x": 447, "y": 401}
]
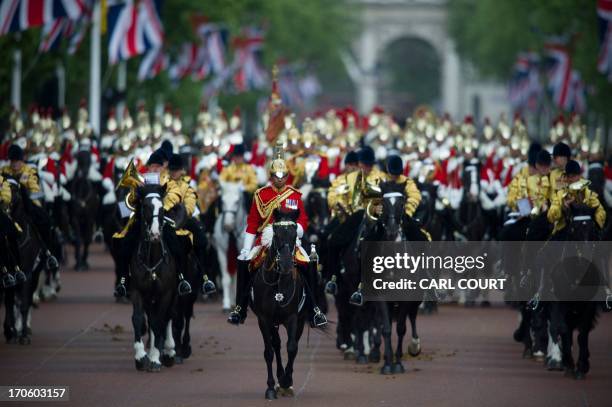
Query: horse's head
[
  {"x": 284, "y": 239},
  {"x": 151, "y": 210},
  {"x": 231, "y": 199},
  {"x": 393, "y": 202},
  {"x": 317, "y": 209}
]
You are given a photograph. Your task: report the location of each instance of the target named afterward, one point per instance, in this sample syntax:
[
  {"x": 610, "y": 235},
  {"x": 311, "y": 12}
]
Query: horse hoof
[
  {"x": 362, "y": 360},
  {"x": 154, "y": 367},
  {"x": 142, "y": 363},
  {"x": 178, "y": 360},
  {"x": 186, "y": 351},
  {"x": 397, "y": 368},
  {"x": 518, "y": 335},
  {"x": 414, "y": 349},
  {"x": 167, "y": 360},
  {"x": 349, "y": 354},
  {"x": 386, "y": 370},
  {"x": 270, "y": 394},
  {"x": 554, "y": 365},
  {"x": 539, "y": 356},
  {"x": 25, "y": 340},
  {"x": 285, "y": 392},
  {"x": 527, "y": 353},
  {"x": 580, "y": 375},
  {"x": 374, "y": 357}
]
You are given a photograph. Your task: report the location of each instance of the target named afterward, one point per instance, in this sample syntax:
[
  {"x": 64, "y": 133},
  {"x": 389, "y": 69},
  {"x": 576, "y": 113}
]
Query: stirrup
[
  {"x": 319, "y": 319},
  {"x": 52, "y": 263},
  {"x": 331, "y": 287},
  {"x": 237, "y": 316},
  {"x": 184, "y": 288},
  {"x": 357, "y": 297},
  {"x": 20, "y": 276},
  {"x": 208, "y": 287},
  {"x": 8, "y": 280},
  {"x": 120, "y": 290}
]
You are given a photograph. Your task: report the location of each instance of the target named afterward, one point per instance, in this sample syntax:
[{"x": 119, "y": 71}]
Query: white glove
[
  {"x": 244, "y": 253},
  {"x": 300, "y": 231},
  {"x": 249, "y": 238}
]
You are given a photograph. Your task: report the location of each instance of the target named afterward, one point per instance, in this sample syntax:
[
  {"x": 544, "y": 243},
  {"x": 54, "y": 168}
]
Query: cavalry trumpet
[{"x": 130, "y": 179}]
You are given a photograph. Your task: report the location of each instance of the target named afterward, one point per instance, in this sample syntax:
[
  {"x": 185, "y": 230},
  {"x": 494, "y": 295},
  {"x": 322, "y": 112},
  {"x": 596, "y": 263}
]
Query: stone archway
[
  {"x": 385, "y": 21},
  {"x": 409, "y": 75}
]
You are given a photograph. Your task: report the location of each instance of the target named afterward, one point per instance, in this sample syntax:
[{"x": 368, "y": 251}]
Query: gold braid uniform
[
  {"x": 28, "y": 177},
  {"x": 243, "y": 173},
  {"x": 5, "y": 193},
  {"x": 413, "y": 195},
  {"x": 556, "y": 213},
  {"x": 172, "y": 197},
  {"x": 536, "y": 188},
  {"x": 338, "y": 197},
  {"x": 364, "y": 188}
]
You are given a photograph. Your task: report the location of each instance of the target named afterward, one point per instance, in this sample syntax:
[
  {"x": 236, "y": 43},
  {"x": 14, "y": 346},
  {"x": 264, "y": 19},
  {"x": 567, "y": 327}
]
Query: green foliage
[{"x": 490, "y": 33}]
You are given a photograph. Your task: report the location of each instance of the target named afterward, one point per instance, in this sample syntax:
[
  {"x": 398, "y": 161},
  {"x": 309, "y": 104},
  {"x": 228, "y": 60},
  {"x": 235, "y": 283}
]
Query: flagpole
[
  {"x": 16, "y": 78},
  {"x": 60, "y": 72},
  {"x": 121, "y": 86},
  {"x": 94, "y": 70}
]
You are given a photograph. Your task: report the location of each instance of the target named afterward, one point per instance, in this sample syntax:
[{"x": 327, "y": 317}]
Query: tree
[
  {"x": 490, "y": 33},
  {"x": 310, "y": 32}
]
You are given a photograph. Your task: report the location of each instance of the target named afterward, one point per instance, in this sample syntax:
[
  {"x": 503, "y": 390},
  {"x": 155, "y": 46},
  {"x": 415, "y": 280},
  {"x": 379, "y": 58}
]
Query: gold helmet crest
[{"x": 278, "y": 166}]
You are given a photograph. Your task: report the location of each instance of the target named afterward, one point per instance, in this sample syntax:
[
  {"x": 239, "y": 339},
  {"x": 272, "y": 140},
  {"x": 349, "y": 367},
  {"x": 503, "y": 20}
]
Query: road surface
[{"x": 84, "y": 340}]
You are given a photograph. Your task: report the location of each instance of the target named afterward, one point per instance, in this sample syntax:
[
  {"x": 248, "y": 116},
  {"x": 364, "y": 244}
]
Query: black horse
[
  {"x": 389, "y": 227},
  {"x": 84, "y": 208},
  {"x": 153, "y": 278},
  {"x": 568, "y": 315},
  {"x": 19, "y": 298},
  {"x": 317, "y": 209},
  {"x": 277, "y": 298}
]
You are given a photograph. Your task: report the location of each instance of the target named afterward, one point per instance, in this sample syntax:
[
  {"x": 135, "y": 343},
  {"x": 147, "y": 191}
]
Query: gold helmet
[{"x": 278, "y": 166}]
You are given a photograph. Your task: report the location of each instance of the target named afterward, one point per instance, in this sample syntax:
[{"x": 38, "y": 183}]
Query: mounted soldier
[
  {"x": 28, "y": 178},
  {"x": 125, "y": 242},
  {"x": 258, "y": 238},
  {"x": 576, "y": 196}
]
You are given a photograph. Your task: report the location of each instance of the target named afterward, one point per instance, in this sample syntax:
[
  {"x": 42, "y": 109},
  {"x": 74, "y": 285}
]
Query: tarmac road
[{"x": 84, "y": 340}]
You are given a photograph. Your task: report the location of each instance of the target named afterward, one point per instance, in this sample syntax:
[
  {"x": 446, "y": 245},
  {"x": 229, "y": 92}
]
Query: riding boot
[
  {"x": 122, "y": 263},
  {"x": 309, "y": 275},
  {"x": 7, "y": 279},
  {"x": 243, "y": 284},
  {"x": 122, "y": 272}
]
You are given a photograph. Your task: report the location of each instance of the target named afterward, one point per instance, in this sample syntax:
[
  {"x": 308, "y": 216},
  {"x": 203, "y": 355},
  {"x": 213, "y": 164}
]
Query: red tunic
[{"x": 268, "y": 198}]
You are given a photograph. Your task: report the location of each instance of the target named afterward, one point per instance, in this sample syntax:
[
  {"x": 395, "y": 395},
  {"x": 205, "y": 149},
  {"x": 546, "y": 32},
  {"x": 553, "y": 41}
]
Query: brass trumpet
[{"x": 130, "y": 179}]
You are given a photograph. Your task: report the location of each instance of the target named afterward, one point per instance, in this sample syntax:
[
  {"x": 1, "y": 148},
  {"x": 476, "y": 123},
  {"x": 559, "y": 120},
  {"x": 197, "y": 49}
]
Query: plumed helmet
[{"x": 278, "y": 166}]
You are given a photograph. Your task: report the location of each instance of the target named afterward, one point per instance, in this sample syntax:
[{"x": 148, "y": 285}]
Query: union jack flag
[
  {"x": 565, "y": 83},
  {"x": 134, "y": 27},
  {"x": 525, "y": 88},
  {"x": 19, "y": 15},
  {"x": 604, "y": 15},
  {"x": 192, "y": 60},
  {"x": 559, "y": 74},
  {"x": 153, "y": 63},
  {"x": 249, "y": 73},
  {"x": 214, "y": 39},
  {"x": 74, "y": 30}
]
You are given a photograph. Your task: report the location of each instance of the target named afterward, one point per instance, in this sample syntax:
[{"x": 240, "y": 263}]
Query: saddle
[{"x": 258, "y": 259}]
